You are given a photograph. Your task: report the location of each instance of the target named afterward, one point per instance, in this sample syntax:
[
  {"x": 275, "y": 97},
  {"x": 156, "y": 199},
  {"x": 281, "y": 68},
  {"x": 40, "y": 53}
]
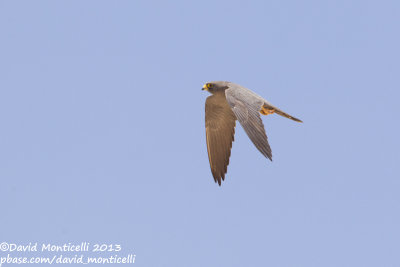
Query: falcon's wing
[
  {"x": 247, "y": 110},
  {"x": 220, "y": 131}
]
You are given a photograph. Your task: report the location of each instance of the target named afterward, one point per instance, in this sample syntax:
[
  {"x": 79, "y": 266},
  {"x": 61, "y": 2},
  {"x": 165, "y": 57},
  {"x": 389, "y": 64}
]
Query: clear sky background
[{"x": 102, "y": 133}]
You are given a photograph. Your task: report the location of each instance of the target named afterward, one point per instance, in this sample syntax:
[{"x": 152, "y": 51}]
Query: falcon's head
[{"x": 214, "y": 87}]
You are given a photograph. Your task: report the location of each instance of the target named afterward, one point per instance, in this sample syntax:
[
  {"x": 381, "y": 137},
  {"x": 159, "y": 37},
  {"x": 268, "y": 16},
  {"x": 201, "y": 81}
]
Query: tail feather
[{"x": 280, "y": 112}]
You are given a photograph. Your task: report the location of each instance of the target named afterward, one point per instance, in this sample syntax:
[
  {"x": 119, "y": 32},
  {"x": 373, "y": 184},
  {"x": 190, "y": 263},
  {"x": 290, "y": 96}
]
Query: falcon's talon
[{"x": 267, "y": 111}]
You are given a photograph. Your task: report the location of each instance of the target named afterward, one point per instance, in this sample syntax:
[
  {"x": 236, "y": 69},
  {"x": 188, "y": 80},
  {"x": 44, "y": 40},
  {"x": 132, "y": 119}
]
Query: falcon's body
[{"x": 230, "y": 102}]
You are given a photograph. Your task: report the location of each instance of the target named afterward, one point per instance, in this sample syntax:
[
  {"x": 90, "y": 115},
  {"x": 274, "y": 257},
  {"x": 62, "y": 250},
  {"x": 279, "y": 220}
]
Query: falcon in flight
[{"x": 230, "y": 102}]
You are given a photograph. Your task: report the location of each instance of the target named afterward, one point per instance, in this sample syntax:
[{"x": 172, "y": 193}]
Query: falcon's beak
[{"x": 204, "y": 88}]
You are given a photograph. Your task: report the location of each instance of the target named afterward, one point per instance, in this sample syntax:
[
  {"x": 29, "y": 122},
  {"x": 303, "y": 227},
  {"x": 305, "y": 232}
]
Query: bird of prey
[{"x": 230, "y": 102}]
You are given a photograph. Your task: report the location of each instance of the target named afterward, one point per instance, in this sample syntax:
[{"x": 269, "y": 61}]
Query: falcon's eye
[{"x": 209, "y": 85}]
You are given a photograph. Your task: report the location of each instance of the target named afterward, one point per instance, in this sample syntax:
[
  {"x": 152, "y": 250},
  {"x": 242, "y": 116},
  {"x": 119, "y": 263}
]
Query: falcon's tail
[{"x": 269, "y": 109}]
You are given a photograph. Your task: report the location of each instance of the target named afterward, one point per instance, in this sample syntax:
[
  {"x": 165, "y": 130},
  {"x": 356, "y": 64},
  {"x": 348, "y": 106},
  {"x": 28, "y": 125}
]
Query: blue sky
[{"x": 102, "y": 133}]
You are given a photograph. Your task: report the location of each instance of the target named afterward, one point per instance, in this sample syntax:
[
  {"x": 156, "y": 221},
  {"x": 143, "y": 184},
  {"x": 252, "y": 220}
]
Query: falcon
[{"x": 230, "y": 102}]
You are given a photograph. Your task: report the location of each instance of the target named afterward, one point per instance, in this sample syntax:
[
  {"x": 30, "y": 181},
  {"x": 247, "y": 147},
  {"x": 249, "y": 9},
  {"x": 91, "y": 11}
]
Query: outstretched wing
[
  {"x": 220, "y": 131},
  {"x": 246, "y": 106}
]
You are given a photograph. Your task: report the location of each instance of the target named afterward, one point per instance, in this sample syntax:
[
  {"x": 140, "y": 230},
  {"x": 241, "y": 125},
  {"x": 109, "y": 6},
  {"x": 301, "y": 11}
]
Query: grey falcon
[{"x": 230, "y": 102}]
